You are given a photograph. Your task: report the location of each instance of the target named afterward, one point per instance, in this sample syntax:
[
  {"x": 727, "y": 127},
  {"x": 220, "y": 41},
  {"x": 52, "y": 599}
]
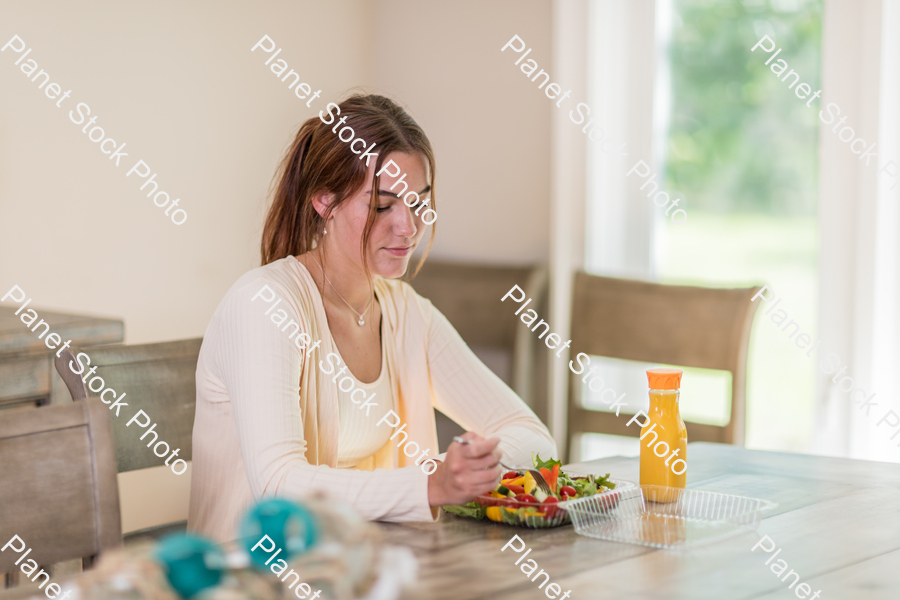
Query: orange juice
[
  {"x": 664, "y": 438},
  {"x": 662, "y": 529}
]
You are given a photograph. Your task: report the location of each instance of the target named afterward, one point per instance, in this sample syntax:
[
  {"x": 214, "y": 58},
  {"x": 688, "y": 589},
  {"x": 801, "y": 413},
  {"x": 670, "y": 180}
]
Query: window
[{"x": 741, "y": 150}]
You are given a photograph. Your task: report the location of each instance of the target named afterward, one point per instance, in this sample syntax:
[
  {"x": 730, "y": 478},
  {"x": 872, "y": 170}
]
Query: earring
[{"x": 324, "y": 231}]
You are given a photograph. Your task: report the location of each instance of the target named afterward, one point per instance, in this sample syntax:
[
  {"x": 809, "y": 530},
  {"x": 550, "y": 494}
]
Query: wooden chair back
[
  {"x": 58, "y": 489},
  {"x": 73, "y": 382},
  {"x": 26, "y": 362},
  {"x": 158, "y": 379},
  {"x": 669, "y": 324},
  {"x": 469, "y": 296}
]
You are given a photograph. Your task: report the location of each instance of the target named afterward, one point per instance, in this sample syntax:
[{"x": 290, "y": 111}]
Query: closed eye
[
  {"x": 390, "y": 194},
  {"x": 382, "y": 209}
]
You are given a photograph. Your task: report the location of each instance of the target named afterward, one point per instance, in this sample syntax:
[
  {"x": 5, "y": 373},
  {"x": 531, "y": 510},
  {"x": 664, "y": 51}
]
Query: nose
[{"x": 405, "y": 224}]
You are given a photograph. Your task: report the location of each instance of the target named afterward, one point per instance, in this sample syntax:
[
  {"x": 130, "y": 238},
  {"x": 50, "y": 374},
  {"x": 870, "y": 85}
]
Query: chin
[{"x": 393, "y": 269}]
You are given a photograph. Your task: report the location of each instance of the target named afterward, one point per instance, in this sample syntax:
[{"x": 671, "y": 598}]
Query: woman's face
[{"x": 397, "y": 229}]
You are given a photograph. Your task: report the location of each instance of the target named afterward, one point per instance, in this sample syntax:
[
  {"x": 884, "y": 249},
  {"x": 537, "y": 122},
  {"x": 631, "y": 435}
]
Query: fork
[{"x": 538, "y": 478}]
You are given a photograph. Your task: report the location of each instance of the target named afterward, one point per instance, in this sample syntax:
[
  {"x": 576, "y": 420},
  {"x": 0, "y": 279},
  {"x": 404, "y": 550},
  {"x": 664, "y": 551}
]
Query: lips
[{"x": 400, "y": 251}]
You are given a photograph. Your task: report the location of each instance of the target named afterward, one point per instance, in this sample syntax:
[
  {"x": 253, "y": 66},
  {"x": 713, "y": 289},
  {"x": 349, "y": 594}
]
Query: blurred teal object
[
  {"x": 290, "y": 526},
  {"x": 191, "y": 563}
]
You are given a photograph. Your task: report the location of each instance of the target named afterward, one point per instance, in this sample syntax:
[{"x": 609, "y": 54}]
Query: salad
[{"x": 518, "y": 500}]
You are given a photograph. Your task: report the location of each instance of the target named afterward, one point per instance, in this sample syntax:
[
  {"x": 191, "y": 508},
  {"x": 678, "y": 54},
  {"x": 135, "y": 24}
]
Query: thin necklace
[{"x": 360, "y": 315}]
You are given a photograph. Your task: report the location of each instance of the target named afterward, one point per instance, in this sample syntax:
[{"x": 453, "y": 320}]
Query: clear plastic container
[{"x": 691, "y": 518}]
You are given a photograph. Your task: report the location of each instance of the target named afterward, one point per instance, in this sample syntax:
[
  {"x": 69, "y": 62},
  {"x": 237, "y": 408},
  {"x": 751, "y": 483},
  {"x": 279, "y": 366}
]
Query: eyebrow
[{"x": 393, "y": 195}]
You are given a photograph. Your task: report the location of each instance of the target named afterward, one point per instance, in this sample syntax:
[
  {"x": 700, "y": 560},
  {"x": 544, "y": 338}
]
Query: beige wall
[
  {"x": 489, "y": 125},
  {"x": 178, "y": 84}
]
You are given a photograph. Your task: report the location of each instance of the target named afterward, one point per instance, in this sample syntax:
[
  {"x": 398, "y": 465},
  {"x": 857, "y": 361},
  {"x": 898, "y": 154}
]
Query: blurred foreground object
[
  {"x": 327, "y": 545},
  {"x": 350, "y": 559}
]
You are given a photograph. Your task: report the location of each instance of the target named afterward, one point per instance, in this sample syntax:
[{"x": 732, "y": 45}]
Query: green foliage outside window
[{"x": 741, "y": 141}]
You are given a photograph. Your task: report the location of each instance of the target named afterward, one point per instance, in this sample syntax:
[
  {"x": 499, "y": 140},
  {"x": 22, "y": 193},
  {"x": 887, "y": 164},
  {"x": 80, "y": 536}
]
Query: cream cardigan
[{"x": 267, "y": 419}]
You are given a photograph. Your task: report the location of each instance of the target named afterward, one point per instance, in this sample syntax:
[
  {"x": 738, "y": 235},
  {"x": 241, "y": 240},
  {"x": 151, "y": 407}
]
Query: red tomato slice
[
  {"x": 515, "y": 489},
  {"x": 567, "y": 490},
  {"x": 548, "y": 508},
  {"x": 526, "y": 498},
  {"x": 510, "y": 475}
]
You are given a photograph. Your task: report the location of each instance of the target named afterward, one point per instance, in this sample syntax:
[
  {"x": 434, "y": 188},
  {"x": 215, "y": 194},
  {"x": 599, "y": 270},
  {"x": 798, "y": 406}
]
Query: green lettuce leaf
[
  {"x": 473, "y": 510},
  {"x": 585, "y": 487},
  {"x": 604, "y": 482},
  {"x": 591, "y": 484},
  {"x": 544, "y": 464},
  {"x": 512, "y": 518}
]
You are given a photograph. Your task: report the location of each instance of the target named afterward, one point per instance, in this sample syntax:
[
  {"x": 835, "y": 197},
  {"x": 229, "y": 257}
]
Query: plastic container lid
[
  {"x": 692, "y": 518},
  {"x": 664, "y": 379}
]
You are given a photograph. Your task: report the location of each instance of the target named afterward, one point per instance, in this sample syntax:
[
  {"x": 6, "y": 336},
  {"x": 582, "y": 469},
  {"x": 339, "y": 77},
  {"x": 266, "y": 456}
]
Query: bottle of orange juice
[{"x": 664, "y": 439}]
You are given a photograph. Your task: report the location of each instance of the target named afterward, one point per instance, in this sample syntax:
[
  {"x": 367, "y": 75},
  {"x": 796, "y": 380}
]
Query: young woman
[{"x": 320, "y": 370}]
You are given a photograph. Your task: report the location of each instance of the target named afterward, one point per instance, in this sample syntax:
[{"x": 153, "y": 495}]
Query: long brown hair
[{"x": 318, "y": 162}]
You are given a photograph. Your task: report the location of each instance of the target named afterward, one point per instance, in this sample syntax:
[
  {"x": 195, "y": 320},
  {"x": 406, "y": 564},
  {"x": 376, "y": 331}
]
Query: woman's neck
[{"x": 348, "y": 283}]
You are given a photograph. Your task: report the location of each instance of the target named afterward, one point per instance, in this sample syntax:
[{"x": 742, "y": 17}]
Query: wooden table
[
  {"x": 837, "y": 522},
  {"x": 27, "y": 374}
]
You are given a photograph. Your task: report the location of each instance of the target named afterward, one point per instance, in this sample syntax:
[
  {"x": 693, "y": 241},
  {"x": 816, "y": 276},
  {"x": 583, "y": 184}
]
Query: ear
[{"x": 321, "y": 202}]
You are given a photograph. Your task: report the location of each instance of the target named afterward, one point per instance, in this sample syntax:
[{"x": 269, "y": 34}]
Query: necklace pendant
[{"x": 361, "y": 322}]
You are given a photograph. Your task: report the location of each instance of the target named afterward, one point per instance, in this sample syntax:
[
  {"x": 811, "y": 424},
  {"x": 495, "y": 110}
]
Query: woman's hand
[{"x": 469, "y": 470}]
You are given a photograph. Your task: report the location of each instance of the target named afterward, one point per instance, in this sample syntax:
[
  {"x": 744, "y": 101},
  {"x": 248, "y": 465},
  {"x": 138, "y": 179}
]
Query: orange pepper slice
[{"x": 551, "y": 477}]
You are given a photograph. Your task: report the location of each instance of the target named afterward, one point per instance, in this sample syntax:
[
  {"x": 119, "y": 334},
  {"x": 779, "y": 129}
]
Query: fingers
[
  {"x": 460, "y": 465},
  {"x": 471, "y": 436},
  {"x": 488, "y": 477},
  {"x": 485, "y": 479},
  {"x": 473, "y": 469},
  {"x": 488, "y": 461},
  {"x": 479, "y": 447},
  {"x": 474, "y": 483}
]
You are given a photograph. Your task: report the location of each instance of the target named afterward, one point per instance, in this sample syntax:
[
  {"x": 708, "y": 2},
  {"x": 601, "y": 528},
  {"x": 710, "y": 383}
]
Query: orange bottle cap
[{"x": 664, "y": 379}]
